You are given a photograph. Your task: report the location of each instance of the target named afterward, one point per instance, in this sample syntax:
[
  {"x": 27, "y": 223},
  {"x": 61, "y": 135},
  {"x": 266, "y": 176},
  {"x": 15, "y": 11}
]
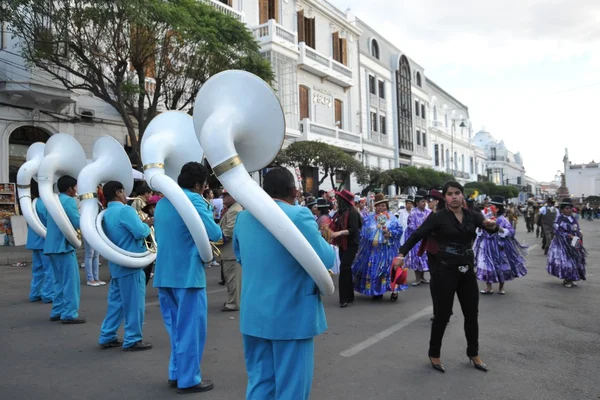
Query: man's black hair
[
  {"x": 110, "y": 190},
  {"x": 453, "y": 184},
  {"x": 279, "y": 183},
  {"x": 65, "y": 183},
  {"x": 192, "y": 174}
]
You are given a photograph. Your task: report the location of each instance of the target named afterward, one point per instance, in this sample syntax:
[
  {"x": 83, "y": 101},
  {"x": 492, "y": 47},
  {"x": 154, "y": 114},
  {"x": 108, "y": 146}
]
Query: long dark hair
[{"x": 343, "y": 204}]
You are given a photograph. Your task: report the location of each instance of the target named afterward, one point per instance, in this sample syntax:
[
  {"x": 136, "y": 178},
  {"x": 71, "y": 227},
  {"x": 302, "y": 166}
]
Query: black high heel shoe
[
  {"x": 437, "y": 367},
  {"x": 394, "y": 297},
  {"x": 481, "y": 367}
]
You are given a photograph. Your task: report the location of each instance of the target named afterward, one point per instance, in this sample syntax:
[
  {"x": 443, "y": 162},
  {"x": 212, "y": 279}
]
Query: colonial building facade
[{"x": 503, "y": 167}]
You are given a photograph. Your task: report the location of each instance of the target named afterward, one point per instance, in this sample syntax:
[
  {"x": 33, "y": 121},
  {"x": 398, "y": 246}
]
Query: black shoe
[
  {"x": 222, "y": 283},
  {"x": 138, "y": 346},
  {"x": 172, "y": 383},
  {"x": 111, "y": 344},
  {"x": 73, "y": 321},
  {"x": 343, "y": 304},
  {"x": 481, "y": 367},
  {"x": 203, "y": 386},
  {"x": 54, "y": 319},
  {"x": 437, "y": 367},
  {"x": 394, "y": 297}
]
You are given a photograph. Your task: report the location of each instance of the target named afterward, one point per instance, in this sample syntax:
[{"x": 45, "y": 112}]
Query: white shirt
[{"x": 218, "y": 205}]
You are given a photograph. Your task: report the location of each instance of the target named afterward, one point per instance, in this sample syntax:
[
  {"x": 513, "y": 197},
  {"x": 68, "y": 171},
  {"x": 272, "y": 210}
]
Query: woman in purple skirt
[
  {"x": 499, "y": 257},
  {"x": 416, "y": 218},
  {"x": 566, "y": 256}
]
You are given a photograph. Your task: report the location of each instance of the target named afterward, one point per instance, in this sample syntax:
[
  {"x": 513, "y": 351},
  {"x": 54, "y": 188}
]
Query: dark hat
[
  {"x": 421, "y": 193},
  {"x": 311, "y": 201},
  {"x": 323, "y": 203},
  {"x": 435, "y": 195},
  {"x": 410, "y": 198},
  {"x": 550, "y": 200},
  {"x": 346, "y": 195},
  {"x": 566, "y": 203},
  {"x": 497, "y": 200},
  {"x": 380, "y": 198}
]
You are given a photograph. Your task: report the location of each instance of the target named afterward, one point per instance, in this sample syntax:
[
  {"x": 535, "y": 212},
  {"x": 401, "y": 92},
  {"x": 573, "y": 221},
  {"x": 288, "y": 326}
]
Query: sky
[{"x": 529, "y": 70}]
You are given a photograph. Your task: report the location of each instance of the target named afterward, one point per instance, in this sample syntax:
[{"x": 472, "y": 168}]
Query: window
[
  {"x": 442, "y": 155},
  {"x": 518, "y": 180},
  {"x": 375, "y": 49},
  {"x": 423, "y": 111},
  {"x": 340, "y": 49},
  {"x": 418, "y": 138},
  {"x": 418, "y": 79},
  {"x": 372, "y": 88},
  {"x": 382, "y": 125},
  {"x": 404, "y": 104},
  {"x": 382, "y": 89},
  {"x": 447, "y": 159},
  {"x": 434, "y": 113},
  {"x": 306, "y": 30},
  {"x": 226, "y": 2},
  {"x": 436, "y": 155},
  {"x": 304, "y": 103},
  {"x": 424, "y": 139},
  {"x": 417, "y": 108},
  {"x": 373, "y": 121},
  {"x": 493, "y": 155},
  {"x": 268, "y": 9},
  {"x": 339, "y": 116},
  {"x": 471, "y": 165}
]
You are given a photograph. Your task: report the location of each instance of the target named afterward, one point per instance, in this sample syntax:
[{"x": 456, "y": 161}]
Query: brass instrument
[{"x": 150, "y": 240}]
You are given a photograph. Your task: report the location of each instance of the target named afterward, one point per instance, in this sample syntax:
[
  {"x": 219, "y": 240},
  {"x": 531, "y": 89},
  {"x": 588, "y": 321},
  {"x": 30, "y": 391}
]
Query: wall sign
[{"x": 322, "y": 96}]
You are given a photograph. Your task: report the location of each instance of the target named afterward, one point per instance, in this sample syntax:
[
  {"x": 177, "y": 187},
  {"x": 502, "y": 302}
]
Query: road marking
[
  {"x": 155, "y": 303},
  {"x": 354, "y": 350}
]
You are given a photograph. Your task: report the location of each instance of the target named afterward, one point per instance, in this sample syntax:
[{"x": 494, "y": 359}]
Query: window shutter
[
  {"x": 263, "y": 11},
  {"x": 274, "y": 10},
  {"x": 301, "y": 27},
  {"x": 336, "y": 46},
  {"x": 344, "y": 51},
  {"x": 311, "y": 30},
  {"x": 303, "y": 102},
  {"x": 338, "y": 113}
]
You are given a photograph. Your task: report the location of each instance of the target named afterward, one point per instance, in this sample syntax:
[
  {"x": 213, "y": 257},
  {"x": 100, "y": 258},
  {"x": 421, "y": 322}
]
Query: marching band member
[
  {"x": 278, "y": 324},
  {"x": 181, "y": 281},
  {"x": 127, "y": 290},
  {"x": 42, "y": 278},
  {"x": 231, "y": 270},
  {"x": 63, "y": 258}
]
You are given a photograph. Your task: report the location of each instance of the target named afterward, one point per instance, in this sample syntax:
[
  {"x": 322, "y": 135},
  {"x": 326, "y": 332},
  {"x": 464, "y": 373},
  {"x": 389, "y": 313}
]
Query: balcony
[
  {"x": 459, "y": 174},
  {"x": 437, "y": 125},
  {"x": 379, "y": 138},
  {"x": 345, "y": 140},
  {"x": 271, "y": 33},
  {"x": 325, "y": 67},
  {"x": 225, "y": 9}
]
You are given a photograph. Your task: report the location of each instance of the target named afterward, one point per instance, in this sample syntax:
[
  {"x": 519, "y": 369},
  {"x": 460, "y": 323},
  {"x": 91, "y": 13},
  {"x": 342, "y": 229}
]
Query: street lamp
[{"x": 462, "y": 125}]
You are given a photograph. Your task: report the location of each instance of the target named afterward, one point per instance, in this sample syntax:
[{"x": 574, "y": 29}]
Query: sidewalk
[{"x": 10, "y": 255}]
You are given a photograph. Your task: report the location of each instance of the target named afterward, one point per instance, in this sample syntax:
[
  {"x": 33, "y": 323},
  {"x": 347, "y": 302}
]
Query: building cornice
[
  {"x": 332, "y": 12},
  {"x": 437, "y": 87}
]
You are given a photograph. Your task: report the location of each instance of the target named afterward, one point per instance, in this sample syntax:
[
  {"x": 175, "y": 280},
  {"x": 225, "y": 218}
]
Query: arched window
[
  {"x": 18, "y": 142},
  {"x": 375, "y": 49},
  {"x": 304, "y": 102},
  {"x": 434, "y": 113},
  {"x": 418, "y": 79},
  {"x": 404, "y": 96}
]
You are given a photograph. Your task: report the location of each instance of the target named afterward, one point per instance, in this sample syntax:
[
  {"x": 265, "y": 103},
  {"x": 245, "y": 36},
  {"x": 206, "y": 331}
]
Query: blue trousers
[
  {"x": 42, "y": 278},
  {"x": 126, "y": 300},
  {"x": 68, "y": 285},
  {"x": 184, "y": 312},
  {"x": 279, "y": 369}
]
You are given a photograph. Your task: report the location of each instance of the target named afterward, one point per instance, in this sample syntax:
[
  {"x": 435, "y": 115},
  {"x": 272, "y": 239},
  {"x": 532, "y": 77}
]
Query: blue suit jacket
[
  {"x": 35, "y": 241},
  {"x": 178, "y": 264},
  {"x": 124, "y": 228},
  {"x": 56, "y": 243},
  {"x": 280, "y": 301}
]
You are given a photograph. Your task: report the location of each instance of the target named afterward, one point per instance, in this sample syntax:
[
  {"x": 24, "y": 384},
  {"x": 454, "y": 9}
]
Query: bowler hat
[
  {"x": 421, "y": 193},
  {"x": 346, "y": 195},
  {"x": 380, "y": 198},
  {"x": 497, "y": 200}
]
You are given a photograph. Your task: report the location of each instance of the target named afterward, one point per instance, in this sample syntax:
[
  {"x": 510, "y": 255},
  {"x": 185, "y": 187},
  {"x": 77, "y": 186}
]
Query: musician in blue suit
[
  {"x": 63, "y": 258},
  {"x": 42, "y": 278},
  {"x": 181, "y": 281},
  {"x": 127, "y": 291},
  {"x": 281, "y": 308}
]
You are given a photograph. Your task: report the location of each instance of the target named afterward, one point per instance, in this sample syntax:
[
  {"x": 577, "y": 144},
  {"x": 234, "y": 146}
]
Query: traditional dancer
[
  {"x": 415, "y": 219},
  {"x": 181, "y": 281},
  {"x": 379, "y": 244},
  {"x": 548, "y": 215},
  {"x": 499, "y": 257},
  {"x": 281, "y": 309},
  {"x": 403, "y": 216},
  {"x": 455, "y": 229},
  {"x": 127, "y": 289},
  {"x": 42, "y": 277},
  {"x": 567, "y": 256},
  {"x": 63, "y": 259}
]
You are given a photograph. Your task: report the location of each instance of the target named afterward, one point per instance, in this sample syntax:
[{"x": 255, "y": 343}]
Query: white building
[
  {"x": 450, "y": 130},
  {"x": 583, "y": 180},
  {"x": 503, "y": 167},
  {"x": 33, "y": 107}
]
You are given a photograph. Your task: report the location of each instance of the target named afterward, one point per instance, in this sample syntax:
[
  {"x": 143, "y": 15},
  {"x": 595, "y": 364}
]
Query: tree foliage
[
  {"x": 109, "y": 48},
  {"x": 491, "y": 189}
]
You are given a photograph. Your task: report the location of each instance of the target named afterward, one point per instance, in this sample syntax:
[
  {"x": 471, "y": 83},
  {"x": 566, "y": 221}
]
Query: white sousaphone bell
[
  {"x": 241, "y": 126},
  {"x": 27, "y": 172},
  {"x": 63, "y": 155},
  {"x": 110, "y": 163},
  {"x": 169, "y": 142}
]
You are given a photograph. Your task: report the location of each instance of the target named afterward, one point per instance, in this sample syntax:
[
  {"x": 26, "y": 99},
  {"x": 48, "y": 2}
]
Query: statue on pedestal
[{"x": 563, "y": 191}]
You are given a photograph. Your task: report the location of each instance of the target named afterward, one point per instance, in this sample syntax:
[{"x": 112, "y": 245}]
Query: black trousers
[
  {"x": 446, "y": 281},
  {"x": 345, "y": 283},
  {"x": 148, "y": 271}
]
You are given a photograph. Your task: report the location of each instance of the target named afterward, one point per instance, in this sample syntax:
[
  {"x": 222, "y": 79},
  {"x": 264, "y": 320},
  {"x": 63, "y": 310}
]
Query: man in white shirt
[{"x": 403, "y": 216}]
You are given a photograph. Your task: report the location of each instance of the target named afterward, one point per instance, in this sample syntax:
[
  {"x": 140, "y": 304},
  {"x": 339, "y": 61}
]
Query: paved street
[{"x": 541, "y": 341}]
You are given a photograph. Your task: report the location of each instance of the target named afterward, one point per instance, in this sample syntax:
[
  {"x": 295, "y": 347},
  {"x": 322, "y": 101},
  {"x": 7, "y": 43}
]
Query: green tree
[{"x": 109, "y": 48}]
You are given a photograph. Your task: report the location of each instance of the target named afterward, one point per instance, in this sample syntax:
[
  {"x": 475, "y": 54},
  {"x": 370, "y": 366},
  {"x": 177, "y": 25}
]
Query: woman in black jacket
[{"x": 455, "y": 229}]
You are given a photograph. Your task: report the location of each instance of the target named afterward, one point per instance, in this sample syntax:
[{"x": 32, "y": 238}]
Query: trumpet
[
  {"x": 150, "y": 240},
  {"x": 215, "y": 250}
]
